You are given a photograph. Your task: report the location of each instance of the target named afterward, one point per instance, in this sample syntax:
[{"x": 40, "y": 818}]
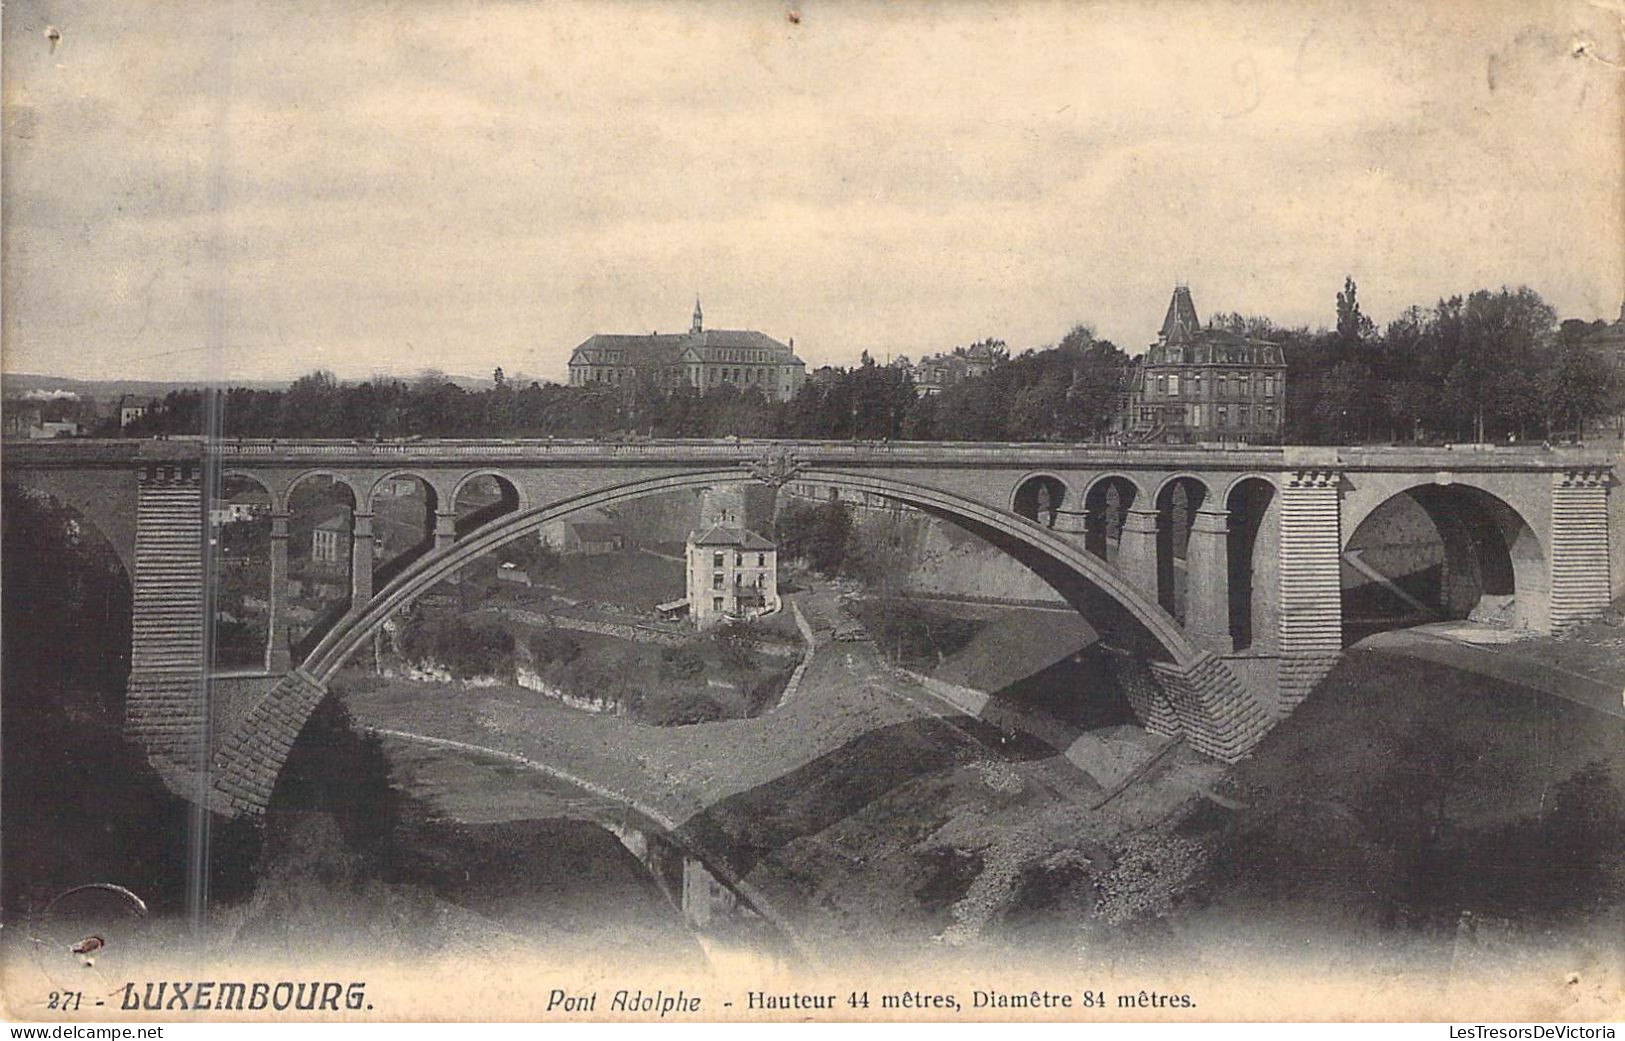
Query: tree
[
  {"x": 1347, "y": 400},
  {"x": 827, "y": 547},
  {"x": 973, "y": 410},
  {"x": 1498, "y": 339},
  {"x": 1099, "y": 380},
  {"x": 312, "y": 405},
  {"x": 1353, "y": 327},
  {"x": 794, "y": 527},
  {"x": 1577, "y": 385},
  {"x": 920, "y": 419}
]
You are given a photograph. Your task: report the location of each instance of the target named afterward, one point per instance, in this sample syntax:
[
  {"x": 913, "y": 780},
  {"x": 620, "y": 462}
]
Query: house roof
[
  {"x": 1217, "y": 349},
  {"x": 1181, "y": 328},
  {"x": 669, "y": 348},
  {"x": 727, "y": 535}
]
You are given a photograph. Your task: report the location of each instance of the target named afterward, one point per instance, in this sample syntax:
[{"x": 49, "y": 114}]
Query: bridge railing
[
  {"x": 742, "y": 449},
  {"x": 81, "y": 452}
]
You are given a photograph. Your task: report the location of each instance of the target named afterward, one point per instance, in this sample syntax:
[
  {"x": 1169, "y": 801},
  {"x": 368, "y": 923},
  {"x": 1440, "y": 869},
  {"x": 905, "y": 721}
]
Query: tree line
[
  {"x": 1059, "y": 393},
  {"x": 1490, "y": 365}
]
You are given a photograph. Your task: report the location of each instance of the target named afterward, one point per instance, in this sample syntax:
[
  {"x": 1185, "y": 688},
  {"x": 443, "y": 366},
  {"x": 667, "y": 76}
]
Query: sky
[{"x": 254, "y": 190}]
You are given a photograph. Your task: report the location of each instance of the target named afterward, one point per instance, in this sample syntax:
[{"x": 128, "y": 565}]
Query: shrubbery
[
  {"x": 734, "y": 642},
  {"x": 684, "y": 663},
  {"x": 679, "y": 706},
  {"x": 911, "y": 635},
  {"x": 536, "y": 557},
  {"x": 466, "y": 648},
  {"x": 554, "y": 645},
  {"x": 663, "y": 686}
]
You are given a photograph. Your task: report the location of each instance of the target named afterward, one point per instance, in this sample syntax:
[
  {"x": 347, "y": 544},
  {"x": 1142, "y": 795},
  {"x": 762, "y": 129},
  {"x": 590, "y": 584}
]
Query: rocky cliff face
[
  {"x": 944, "y": 560},
  {"x": 669, "y": 518}
]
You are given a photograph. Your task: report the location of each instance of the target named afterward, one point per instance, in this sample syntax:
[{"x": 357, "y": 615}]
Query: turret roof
[{"x": 1180, "y": 325}]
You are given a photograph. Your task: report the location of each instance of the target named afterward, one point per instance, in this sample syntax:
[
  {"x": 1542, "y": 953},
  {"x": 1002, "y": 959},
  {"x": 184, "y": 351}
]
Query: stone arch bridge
[{"x": 1213, "y": 576}]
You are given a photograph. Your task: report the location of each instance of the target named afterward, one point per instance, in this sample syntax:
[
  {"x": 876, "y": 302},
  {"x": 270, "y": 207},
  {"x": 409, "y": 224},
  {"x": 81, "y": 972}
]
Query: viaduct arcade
[{"x": 1216, "y": 578}]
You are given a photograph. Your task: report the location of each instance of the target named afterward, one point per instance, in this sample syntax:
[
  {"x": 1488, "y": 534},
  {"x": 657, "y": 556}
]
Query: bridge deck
[{"x": 74, "y": 453}]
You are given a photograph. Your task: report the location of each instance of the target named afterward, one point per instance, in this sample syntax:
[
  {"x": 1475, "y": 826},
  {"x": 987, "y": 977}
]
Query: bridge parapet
[{"x": 90, "y": 453}]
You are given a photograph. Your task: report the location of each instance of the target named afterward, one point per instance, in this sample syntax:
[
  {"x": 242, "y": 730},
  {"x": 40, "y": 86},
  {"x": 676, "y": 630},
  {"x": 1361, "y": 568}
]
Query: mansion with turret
[
  {"x": 701, "y": 358},
  {"x": 1197, "y": 384}
]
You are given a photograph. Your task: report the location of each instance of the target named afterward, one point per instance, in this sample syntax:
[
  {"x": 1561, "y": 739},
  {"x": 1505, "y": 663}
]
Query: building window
[
  {"x": 716, "y": 580},
  {"x": 1224, "y": 416},
  {"x": 1196, "y": 384},
  {"x": 1269, "y": 415},
  {"x": 716, "y": 560},
  {"x": 1269, "y": 386},
  {"x": 1162, "y": 386},
  {"x": 716, "y": 603},
  {"x": 1173, "y": 385},
  {"x": 1196, "y": 415},
  {"x": 761, "y": 560},
  {"x": 739, "y": 560},
  {"x": 1242, "y": 416}
]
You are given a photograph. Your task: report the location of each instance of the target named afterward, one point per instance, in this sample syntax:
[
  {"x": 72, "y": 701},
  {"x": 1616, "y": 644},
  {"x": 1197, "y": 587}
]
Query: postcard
[{"x": 800, "y": 511}]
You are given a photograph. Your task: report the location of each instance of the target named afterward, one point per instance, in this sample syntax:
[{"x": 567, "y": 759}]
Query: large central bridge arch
[
  {"x": 1175, "y": 687},
  {"x": 1112, "y": 605}
]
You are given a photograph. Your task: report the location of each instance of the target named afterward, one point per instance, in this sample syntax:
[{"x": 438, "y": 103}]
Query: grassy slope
[{"x": 1403, "y": 793}]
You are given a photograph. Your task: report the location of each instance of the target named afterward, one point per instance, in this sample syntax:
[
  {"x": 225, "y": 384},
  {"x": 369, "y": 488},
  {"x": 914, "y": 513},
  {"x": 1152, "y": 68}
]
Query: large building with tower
[
  {"x": 1195, "y": 384},
  {"x": 702, "y": 358}
]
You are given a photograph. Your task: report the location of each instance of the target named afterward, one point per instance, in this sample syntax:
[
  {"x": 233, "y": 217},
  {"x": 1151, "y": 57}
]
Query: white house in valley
[{"x": 733, "y": 573}]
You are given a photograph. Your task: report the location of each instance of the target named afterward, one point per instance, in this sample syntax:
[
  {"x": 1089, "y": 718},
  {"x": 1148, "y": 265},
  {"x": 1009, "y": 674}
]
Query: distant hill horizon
[{"x": 21, "y": 384}]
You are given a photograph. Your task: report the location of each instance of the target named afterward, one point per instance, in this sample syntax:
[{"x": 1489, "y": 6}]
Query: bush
[
  {"x": 554, "y": 645},
  {"x": 536, "y": 557},
  {"x": 734, "y": 642},
  {"x": 684, "y": 663},
  {"x": 911, "y": 635},
  {"x": 466, "y": 648},
  {"x": 679, "y": 706}
]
